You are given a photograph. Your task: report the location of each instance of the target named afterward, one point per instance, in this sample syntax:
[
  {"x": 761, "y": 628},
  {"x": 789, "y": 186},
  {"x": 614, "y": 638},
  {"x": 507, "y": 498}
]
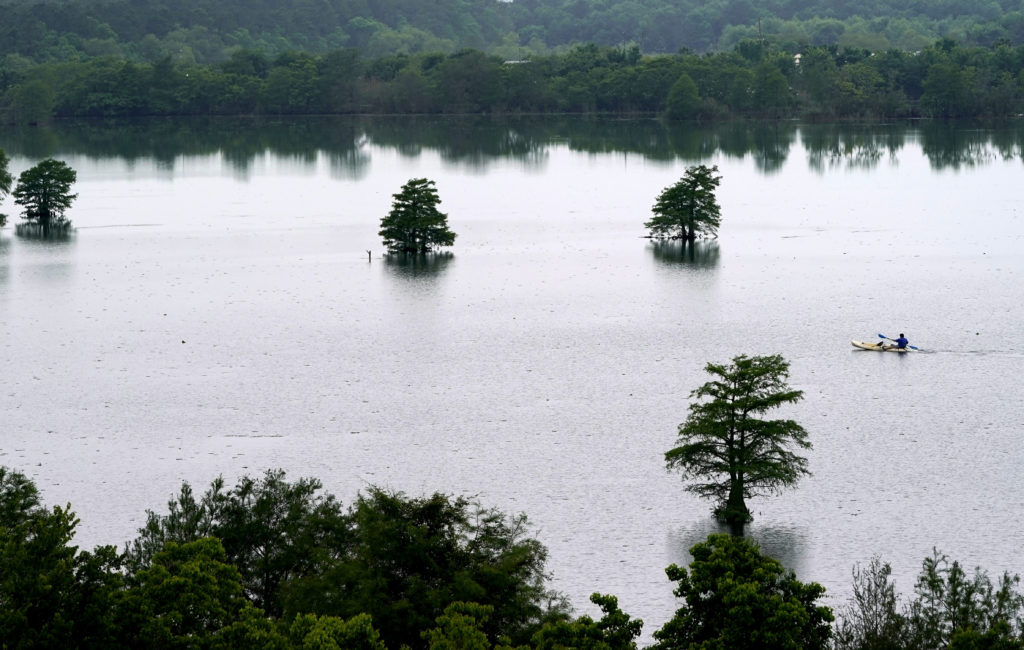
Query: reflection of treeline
[
  {"x": 481, "y": 140},
  {"x": 204, "y": 31},
  {"x": 943, "y": 80}
]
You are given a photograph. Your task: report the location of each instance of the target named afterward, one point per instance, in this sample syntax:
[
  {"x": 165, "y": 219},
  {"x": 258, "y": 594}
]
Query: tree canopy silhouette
[
  {"x": 689, "y": 208},
  {"x": 415, "y": 225},
  {"x": 727, "y": 449}
]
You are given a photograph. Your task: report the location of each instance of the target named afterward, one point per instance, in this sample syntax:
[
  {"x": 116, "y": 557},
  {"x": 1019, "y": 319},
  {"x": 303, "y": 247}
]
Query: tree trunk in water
[{"x": 736, "y": 513}]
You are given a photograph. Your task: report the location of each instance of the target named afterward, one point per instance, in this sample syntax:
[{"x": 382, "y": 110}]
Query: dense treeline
[
  {"x": 270, "y": 564},
  {"x": 203, "y": 31},
  {"x": 943, "y": 80},
  {"x": 279, "y": 565}
]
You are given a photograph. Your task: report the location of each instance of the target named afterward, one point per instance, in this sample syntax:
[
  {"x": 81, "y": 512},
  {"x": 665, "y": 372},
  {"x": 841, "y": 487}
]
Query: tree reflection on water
[
  {"x": 701, "y": 254},
  {"x": 412, "y": 267},
  {"x": 480, "y": 141}
]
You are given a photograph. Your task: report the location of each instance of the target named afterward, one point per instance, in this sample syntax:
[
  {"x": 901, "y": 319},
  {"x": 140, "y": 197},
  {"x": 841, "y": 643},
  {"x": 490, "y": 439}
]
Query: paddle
[{"x": 912, "y": 347}]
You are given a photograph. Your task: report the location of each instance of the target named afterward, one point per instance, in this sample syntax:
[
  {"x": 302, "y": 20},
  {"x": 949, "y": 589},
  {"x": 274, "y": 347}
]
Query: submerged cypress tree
[
  {"x": 730, "y": 451},
  {"x": 45, "y": 193},
  {"x": 689, "y": 208},
  {"x": 415, "y": 225}
]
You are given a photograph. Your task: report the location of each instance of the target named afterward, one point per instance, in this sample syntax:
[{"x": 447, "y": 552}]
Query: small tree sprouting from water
[
  {"x": 727, "y": 449},
  {"x": 44, "y": 191},
  {"x": 689, "y": 208},
  {"x": 415, "y": 225}
]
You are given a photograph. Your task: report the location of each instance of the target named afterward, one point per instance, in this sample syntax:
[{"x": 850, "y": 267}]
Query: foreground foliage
[
  {"x": 272, "y": 531},
  {"x": 735, "y": 597},
  {"x": 420, "y": 558},
  {"x": 400, "y": 560},
  {"x": 51, "y": 595},
  {"x": 462, "y": 625},
  {"x": 949, "y": 609},
  {"x": 727, "y": 449}
]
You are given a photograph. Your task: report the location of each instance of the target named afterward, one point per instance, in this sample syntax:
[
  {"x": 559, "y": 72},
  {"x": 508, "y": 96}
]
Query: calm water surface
[{"x": 215, "y": 313}]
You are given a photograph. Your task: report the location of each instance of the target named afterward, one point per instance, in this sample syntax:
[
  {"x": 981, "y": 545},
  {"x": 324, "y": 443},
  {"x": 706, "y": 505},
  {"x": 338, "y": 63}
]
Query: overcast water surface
[{"x": 216, "y": 313}]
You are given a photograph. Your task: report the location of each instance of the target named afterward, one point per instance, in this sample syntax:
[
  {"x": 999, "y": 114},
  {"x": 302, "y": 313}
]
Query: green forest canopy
[
  {"x": 754, "y": 80},
  {"x": 205, "y": 31}
]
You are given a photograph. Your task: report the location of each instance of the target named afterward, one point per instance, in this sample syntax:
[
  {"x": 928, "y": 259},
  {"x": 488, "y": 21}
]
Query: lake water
[{"x": 216, "y": 313}]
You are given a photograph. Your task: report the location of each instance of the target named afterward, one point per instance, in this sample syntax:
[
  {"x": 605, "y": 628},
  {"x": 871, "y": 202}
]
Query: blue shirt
[{"x": 901, "y": 342}]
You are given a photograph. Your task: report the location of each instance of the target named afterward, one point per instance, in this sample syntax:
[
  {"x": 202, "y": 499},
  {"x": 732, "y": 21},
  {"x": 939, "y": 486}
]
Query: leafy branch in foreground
[
  {"x": 949, "y": 609},
  {"x": 735, "y": 597}
]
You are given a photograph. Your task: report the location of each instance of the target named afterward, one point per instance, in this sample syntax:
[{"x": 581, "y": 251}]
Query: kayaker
[{"x": 901, "y": 343}]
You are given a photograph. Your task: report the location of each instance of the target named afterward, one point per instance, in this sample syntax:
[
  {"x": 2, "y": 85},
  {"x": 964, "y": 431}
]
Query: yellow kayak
[{"x": 881, "y": 346}]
